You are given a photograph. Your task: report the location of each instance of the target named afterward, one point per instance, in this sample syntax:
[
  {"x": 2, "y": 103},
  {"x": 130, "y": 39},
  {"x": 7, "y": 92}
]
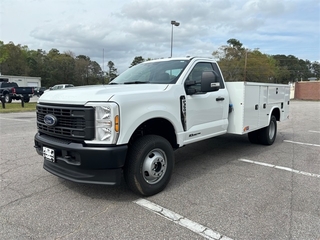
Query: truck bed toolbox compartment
[{"x": 253, "y": 103}]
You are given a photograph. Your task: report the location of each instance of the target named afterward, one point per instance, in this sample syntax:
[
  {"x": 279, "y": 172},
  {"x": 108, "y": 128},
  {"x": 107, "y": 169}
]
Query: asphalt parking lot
[{"x": 222, "y": 188}]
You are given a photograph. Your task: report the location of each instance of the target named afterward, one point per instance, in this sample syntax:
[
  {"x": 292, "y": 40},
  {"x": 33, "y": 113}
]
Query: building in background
[
  {"x": 22, "y": 81},
  {"x": 307, "y": 90}
]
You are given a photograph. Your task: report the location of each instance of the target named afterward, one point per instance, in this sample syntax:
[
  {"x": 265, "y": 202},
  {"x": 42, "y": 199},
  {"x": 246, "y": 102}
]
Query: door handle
[{"x": 219, "y": 99}]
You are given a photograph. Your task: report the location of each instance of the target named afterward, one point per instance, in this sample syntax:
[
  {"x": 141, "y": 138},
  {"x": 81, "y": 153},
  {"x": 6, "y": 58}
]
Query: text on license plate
[{"x": 48, "y": 154}]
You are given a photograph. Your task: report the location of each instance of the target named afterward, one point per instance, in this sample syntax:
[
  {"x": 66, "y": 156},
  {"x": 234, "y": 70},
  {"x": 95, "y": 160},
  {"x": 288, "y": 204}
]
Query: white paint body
[
  {"x": 206, "y": 117},
  {"x": 253, "y": 104}
]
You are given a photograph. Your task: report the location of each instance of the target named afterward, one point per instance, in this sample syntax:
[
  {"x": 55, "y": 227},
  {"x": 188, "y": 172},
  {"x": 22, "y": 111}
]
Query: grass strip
[{"x": 17, "y": 107}]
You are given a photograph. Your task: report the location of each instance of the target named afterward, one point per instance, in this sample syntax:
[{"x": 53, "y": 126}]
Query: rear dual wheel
[
  {"x": 254, "y": 136},
  {"x": 149, "y": 165},
  {"x": 266, "y": 135}
]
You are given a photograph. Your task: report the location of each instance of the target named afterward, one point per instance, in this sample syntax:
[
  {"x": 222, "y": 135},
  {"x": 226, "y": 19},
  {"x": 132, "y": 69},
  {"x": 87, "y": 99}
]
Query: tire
[
  {"x": 7, "y": 98},
  {"x": 267, "y": 135},
  {"x": 254, "y": 136},
  {"x": 149, "y": 165}
]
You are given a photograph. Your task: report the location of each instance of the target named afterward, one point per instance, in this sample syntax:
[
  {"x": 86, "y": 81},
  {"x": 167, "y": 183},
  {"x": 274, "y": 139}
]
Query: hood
[{"x": 95, "y": 93}]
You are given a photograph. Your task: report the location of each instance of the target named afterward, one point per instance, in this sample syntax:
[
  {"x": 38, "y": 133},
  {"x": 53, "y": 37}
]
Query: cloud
[{"x": 121, "y": 30}]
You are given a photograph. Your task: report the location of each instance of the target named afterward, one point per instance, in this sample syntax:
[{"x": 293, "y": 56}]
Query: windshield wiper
[{"x": 135, "y": 82}]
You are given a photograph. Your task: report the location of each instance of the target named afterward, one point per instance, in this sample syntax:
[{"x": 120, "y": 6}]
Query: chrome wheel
[{"x": 154, "y": 166}]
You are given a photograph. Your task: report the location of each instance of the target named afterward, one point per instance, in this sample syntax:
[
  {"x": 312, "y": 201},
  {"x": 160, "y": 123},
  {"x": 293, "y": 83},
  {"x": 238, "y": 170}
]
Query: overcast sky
[{"x": 119, "y": 30}]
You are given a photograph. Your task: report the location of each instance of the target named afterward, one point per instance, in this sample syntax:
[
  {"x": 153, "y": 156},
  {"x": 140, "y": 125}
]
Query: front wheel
[
  {"x": 267, "y": 135},
  {"x": 149, "y": 165}
]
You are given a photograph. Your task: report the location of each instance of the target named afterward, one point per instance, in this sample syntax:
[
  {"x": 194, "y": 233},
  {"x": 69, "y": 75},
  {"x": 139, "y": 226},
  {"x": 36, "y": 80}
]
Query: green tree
[
  {"x": 137, "y": 60},
  {"x": 315, "y": 68},
  {"x": 61, "y": 67},
  {"x": 113, "y": 72},
  {"x": 231, "y": 60},
  {"x": 95, "y": 72},
  {"x": 34, "y": 62},
  {"x": 87, "y": 72},
  {"x": 82, "y": 64},
  {"x": 67, "y": 67},
  {"x": 3, "y": 55},
  {"x": 240, "y": 64},
  {"x": 14, "y": 60},
  {"x": 236, "y": 44},
  {"x": 53, "y": 67},
  {"x": 293, "y": 69},
  {"x": 38, "y": 66},
  {"x": 259, "y": 67}
]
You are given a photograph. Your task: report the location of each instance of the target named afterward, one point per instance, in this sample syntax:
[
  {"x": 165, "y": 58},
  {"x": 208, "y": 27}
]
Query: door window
[{"x": 196, "y": 74}]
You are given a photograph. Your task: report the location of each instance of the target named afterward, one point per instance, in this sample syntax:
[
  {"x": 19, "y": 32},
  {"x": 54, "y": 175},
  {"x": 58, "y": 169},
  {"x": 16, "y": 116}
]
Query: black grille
[{"x": 74, "y": 123}]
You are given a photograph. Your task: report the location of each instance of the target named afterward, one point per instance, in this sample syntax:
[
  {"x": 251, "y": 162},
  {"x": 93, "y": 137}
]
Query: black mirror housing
[{"x": 209, "y": 82}]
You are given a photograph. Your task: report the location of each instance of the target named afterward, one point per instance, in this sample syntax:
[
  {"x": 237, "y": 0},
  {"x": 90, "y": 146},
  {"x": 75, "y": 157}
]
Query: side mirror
[{"x": 209, "y": 82}]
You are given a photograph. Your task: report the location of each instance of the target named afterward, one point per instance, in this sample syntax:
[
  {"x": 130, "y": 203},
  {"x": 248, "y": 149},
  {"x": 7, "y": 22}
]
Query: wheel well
[
  {"x": 156, "y": 126},
  {"x": 276, "y": 113}
]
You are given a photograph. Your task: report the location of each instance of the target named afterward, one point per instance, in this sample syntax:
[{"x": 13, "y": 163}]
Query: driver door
[{"x": 206, "y": 112}]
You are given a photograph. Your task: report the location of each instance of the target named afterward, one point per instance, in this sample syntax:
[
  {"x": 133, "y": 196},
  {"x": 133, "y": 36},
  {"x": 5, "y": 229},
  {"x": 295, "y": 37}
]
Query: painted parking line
[
  {"x": 182, "y": 221},
  {"x": 18, "y": 120},
  {"x": 314, "y": 131},
  {"x": 280, "y": 168},
  {"x": 301, "y": 143}
]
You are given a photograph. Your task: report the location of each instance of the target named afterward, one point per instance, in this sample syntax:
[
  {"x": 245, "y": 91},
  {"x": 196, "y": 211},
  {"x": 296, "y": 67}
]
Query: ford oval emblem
[{"x": 50, "y": 120}]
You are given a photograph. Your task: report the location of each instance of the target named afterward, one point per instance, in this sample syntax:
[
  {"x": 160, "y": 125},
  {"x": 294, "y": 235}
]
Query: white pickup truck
[{"x": 131, "y": 127}]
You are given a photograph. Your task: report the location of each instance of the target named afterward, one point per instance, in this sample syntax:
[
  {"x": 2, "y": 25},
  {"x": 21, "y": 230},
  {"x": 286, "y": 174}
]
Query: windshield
[{"x": 162, "y": 72}]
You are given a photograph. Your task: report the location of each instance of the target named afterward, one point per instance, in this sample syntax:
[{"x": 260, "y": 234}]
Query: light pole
[{"x": 173, "y": 23}]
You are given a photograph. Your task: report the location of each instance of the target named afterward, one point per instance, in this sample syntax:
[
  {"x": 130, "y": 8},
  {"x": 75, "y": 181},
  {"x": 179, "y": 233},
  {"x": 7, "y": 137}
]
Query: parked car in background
[
  {"x": 38, "y": 91},
  {"x": 11, "y": 91},
  {"x": 60, "y": 86}
]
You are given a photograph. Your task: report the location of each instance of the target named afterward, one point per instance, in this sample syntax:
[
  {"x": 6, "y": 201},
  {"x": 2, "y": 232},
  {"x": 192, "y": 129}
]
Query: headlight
[{"x": 107, "y": 122}]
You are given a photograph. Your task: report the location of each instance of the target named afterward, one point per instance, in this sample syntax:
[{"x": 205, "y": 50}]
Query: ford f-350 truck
[{"x": 130, "y": 128}]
